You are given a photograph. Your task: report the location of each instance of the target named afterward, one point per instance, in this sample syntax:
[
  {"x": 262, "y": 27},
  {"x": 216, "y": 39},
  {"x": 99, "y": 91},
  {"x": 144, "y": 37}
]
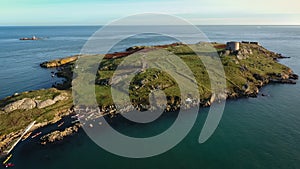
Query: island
[
  {"x": 248, "y": 67},
  {"x": 32, "y": 38}
]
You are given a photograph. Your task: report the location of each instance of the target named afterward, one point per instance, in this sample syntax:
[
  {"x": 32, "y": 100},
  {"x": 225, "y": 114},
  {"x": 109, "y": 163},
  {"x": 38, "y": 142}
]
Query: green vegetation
[
  {"x": 19, "y": 119},
  {"x": 243, "y": 78},
  {"x": 241, "y": 74}
]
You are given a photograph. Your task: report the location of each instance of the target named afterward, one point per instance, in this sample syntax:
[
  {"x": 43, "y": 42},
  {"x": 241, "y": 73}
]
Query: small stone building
[
  {"x": 255, "y": 43},
  {"x": 233, "y": 46}
]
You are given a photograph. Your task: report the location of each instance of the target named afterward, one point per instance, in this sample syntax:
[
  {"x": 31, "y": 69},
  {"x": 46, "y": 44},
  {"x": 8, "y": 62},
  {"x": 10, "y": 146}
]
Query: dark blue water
[
  {"x": 19, "y": 60},
  {"x": 261, "y": 132}
]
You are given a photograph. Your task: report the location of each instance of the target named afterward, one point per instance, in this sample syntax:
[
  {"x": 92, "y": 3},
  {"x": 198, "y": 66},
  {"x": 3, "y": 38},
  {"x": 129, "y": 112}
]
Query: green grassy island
[{"x": 247, "y": 70}]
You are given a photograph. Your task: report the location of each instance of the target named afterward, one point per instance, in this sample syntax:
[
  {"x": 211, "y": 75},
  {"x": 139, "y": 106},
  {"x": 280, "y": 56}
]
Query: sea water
[{"x": 261, "y": 132}]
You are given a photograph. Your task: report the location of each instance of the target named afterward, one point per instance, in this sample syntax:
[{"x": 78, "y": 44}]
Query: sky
[{"x": 101, "y": 12}]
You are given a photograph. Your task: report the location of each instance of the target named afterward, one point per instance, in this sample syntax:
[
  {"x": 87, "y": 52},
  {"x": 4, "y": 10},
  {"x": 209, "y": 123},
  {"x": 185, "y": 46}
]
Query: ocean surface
[{"x": 261, "y": 132}]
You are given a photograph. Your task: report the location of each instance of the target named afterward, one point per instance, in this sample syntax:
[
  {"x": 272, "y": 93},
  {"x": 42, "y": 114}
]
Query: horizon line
[{"x": 152, "y": 25}]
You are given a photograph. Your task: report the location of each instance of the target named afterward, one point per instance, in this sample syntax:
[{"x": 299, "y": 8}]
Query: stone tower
[{"x": 233, "y": 46}]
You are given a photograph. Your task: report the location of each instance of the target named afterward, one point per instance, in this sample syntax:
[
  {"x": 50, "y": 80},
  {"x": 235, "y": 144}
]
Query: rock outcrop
[
  {"x": 59, "y": 62},
  {"x": 60, "y": 97},
  {"x": 23, "y": 104},
  {"x": 59, "y": 135},
  {"x": 29, "y": 103},
  {"x": 45, "y": 103},
  {"x": 244, "y": 53},
  {"x": 6, "y": 140}
]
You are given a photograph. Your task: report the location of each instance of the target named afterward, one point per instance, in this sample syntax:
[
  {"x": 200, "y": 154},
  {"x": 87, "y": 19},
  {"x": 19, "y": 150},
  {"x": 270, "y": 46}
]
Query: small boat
[
  {"x": 75, "y": 121},
  {"x": 90, "y": 116},
  {"x": 75, "y": 116},
  {"x": 60, "y": 124},
  {"x": 37, "y": 134},
  {"x": 7, "y": 159},
  {"x": 9, "y": 165},
  {"x": 80, "y": 117}
]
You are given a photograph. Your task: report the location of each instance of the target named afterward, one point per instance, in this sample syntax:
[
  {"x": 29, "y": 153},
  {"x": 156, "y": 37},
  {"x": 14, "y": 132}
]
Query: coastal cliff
[{"x": 247, "y": 70}]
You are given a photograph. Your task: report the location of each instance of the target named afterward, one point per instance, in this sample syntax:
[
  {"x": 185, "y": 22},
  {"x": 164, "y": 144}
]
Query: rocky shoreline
[
  {"x": 58, "y": 135},
  {"x": 174, "y": 105},
  {"x": 65, "y": 69},
  {"x": 35, "y": 105}
]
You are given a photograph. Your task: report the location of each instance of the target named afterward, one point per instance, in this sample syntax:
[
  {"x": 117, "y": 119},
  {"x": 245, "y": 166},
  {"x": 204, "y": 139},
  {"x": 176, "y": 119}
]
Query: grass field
[{"x": 157, "y": 69}]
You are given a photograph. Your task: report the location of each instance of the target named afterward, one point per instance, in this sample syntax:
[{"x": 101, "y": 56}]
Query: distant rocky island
[
  {"x": 248, "y": 67},
  {"x": 31, "y": 38}
]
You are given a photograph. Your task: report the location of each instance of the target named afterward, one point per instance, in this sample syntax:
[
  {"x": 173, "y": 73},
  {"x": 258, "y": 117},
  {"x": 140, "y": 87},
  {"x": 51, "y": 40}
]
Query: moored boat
[
  {"x": 9, "y": 165},
  {"x": 60, "y": 124},
  {"x": 75, "y": 121},
  {"x": 75, "y": 116},
  {"x": 7, "y": 159},
  {"x": 37, "y": 134}
]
